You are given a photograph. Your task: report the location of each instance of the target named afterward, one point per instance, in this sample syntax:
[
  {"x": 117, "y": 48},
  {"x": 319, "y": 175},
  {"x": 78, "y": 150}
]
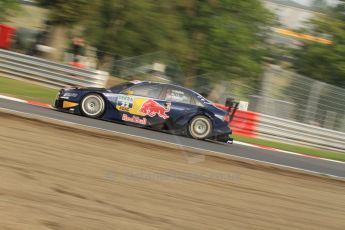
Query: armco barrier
[
  {"x": 245, "y": 123},
  {"x": 290, "y": 131},
  {"x": 251, "y": 124},
  {"x": 48, "y": 72}
]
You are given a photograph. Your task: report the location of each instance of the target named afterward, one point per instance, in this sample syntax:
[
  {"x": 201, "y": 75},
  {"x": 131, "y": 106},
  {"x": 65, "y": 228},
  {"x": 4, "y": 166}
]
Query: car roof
[
  {"x": 162, "y": 83},
  {"x": 196, "y": 94}
]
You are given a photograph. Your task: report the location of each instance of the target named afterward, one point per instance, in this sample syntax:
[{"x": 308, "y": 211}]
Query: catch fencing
[
  {"x": 283, "y": 105},
  {"x": 290, "y": 96},
  {"x": 279, "y": 93},
  {"x": 48, "y": 72}
]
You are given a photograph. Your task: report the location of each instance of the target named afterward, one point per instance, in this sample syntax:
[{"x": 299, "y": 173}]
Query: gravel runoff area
[{"x": 59, "y": 176}]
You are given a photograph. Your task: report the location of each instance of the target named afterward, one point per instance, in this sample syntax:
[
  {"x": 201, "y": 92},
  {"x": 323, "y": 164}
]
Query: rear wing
[{"x": 232, "y": 107}]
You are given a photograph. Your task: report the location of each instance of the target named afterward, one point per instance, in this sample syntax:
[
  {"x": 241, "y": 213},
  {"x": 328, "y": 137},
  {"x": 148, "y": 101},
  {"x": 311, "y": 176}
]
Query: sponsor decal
[
  {"x": 67, "y": 94},
  {"x": 134, "y": 119},
  {"x": 124, "y": 103},
  {"x": 177, "y": 94},
  {"x": 141, "y": 106},
  {"x": 153, "y": 108}
]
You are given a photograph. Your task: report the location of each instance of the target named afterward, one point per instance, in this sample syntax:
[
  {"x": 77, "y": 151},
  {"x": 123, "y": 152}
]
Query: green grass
[
  {"x": 293, "y": 148},
  {"x": 27, "y": 91}
]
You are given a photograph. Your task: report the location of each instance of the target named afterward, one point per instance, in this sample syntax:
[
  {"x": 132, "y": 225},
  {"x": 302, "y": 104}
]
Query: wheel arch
[
  {"x": 203, "y": 112},
  {"x": 206, "y": 115},
  {"x": 93, "y": 93}
]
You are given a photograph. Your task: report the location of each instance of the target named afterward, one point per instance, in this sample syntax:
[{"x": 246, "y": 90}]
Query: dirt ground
[{"x": 56, "y": 177}]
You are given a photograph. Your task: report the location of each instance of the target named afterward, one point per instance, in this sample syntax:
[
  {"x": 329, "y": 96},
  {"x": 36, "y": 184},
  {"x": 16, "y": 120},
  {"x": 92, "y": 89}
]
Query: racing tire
[
  {"x": 92, "y": 105},
  {"x": 200, "y": 127}
]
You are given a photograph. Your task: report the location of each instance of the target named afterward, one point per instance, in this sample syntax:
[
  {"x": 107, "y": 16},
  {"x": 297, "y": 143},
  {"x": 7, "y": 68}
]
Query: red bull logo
[{"x": 153, "y": 108}]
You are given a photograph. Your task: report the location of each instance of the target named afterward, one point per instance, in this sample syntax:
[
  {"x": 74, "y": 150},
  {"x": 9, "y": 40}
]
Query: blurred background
[{"x": 282, "y": 58}]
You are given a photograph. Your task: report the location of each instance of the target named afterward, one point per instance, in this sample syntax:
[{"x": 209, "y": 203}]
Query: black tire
[
  {"x": 200, "y": 127},
  {"x": 92, "y": 105}
]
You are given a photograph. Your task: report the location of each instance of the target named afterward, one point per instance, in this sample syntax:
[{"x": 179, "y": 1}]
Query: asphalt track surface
[{"x": 314, "y": 165}]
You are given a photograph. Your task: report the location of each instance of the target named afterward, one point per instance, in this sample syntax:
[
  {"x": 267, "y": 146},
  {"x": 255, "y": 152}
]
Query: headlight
[{"x": 70, "y": 94}]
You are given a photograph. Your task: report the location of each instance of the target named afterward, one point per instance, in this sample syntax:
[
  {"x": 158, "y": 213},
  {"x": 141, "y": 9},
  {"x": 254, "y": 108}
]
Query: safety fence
[
  {"x": 285, "y": 106},
  {"x": 252, "y": 124},
  {"x": 316, "y": 119},
  {"x": 48, "y": 72}
]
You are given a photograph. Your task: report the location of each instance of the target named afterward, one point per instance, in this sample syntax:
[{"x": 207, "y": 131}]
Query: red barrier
[
  {"x": 6, "y": 34},
  {"x": 244, "y": 123}
]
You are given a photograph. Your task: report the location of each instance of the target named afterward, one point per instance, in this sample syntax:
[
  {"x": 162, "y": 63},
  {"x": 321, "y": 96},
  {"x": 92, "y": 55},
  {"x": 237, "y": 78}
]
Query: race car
[{"x": 153, "y": 105}]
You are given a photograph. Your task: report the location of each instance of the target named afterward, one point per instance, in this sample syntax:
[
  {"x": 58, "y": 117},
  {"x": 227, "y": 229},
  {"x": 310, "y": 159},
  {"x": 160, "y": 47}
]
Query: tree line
[
  {"x": 224, "y": 36},
  {"x": 204, "y": 36},
  {"x": 325, "y": 62}
]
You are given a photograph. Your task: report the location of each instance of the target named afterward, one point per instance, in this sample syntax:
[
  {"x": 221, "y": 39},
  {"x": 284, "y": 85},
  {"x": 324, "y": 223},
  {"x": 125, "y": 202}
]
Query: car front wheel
[
  {"x": 200, "y": 127},
  {"x": 92, "y": 105}
]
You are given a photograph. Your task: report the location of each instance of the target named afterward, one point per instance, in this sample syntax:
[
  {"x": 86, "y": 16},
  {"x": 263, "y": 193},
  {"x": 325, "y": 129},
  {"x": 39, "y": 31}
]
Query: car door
[
  {"x": 182, "y": 105},
  {"x": 143, "y": 104}
]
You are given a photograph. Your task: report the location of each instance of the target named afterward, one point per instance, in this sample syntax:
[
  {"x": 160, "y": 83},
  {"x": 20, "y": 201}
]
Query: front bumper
[
  {"x": 58, "y": 104},
  {"x": 66, "y": 105}
]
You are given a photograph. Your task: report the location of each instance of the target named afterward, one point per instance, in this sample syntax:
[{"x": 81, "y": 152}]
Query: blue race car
[{"x": 152, "y": 105}]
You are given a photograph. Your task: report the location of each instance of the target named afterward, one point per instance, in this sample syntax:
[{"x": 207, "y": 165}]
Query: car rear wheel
[
  {"x": 92, "y": 105},
  {"x": 200, "y": 127}
]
